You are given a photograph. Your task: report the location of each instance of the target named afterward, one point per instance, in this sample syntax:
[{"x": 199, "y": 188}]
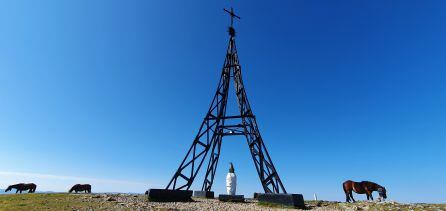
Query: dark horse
[
  {"x": 23, "y": 186},
  {"x": 364, "y": 187},
  {"x": 81, "y": 187}
]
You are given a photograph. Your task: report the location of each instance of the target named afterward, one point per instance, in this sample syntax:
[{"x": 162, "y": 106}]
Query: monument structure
[
  {"x": 231, "y": 188},
  {"x": 216, "y": 125}
]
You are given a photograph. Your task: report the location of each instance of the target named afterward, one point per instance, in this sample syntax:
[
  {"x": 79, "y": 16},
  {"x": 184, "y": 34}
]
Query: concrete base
[
  {"x": 292, "y": 200},
  {"x": 163, "y": 195},
  {"x": 204, "y": 194},
  {"x": 255, "y": 196},
  {"x": 231, "y": 198}
]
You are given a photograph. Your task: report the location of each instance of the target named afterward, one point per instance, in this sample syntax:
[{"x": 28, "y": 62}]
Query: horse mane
[
  {"x": 372, "y": 183},
  {"x": 16, "y": 185},
  {"x": 73, "y": 188},
  {"x": 20, "y": 186}
]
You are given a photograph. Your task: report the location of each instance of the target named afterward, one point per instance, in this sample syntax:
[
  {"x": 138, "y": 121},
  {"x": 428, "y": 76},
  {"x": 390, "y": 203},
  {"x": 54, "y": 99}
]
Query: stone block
[
  {"x": 231, "y": 198},
  {"x": 165, "y": 195},
  {"x": 204, "y": 194},
  {"x": 255, "y": 196},
  {"x": 292, "y": 200}
]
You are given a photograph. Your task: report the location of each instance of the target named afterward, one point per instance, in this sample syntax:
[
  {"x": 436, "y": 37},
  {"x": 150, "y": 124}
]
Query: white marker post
[{"x": 231, "y": 181}]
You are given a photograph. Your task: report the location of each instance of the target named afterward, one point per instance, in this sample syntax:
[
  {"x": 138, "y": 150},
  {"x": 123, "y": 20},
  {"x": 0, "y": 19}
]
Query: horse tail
[{"x": 345, "y": 186}]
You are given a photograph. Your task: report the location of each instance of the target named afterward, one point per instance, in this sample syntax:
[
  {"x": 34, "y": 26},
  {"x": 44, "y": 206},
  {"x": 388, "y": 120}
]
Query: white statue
[{"x": 231, "y": 181}]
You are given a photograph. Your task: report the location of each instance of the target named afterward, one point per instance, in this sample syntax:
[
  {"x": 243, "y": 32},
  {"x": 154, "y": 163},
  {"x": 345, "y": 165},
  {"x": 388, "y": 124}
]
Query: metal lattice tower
[{"x": 214, "y": 128}]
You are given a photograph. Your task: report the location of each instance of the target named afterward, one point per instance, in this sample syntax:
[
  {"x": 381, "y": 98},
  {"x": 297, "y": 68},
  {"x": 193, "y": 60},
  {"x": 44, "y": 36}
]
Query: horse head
[
  {"x": 382, "y": 192},
  {"x": 9, "y": 188},
  {"x": 73, "y": 188}
]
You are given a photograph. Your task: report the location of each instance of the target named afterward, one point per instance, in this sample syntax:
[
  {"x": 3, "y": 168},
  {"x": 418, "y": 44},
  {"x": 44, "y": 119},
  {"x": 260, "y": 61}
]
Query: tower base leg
[{"x": 166, "y": 195}]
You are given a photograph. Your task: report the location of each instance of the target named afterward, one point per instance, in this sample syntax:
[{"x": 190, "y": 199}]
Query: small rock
[{"x": 111, "y": 199}]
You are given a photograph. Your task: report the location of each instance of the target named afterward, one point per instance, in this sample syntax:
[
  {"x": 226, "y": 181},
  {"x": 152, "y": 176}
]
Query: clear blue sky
[{"x": 113, "y": 92}]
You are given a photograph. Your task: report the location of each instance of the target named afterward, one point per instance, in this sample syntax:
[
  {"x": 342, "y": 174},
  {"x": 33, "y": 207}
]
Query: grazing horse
[
  {"x": 23, "y": 186},
  {"x": 81, "y": 187},
  {"x": 364, "y": 187}
]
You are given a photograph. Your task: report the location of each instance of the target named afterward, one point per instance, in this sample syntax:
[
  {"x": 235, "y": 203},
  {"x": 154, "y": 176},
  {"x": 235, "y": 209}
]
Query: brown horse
[
  {"x": 23, "y": 186},
  {"x": 81, "y": 187},
  {"x": 364, "y": 187}
]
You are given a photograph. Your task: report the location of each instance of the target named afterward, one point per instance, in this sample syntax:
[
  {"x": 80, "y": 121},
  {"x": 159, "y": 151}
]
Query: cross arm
[{"x": 232, "y": 13}]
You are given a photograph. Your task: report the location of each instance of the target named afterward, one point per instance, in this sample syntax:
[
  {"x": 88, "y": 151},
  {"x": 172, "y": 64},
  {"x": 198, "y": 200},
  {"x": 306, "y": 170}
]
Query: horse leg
[
  {"x": 351, "y": 196},
  {"x": 344, "y": 186},
  {"x": 17, "y": 191},
  {"x": 369, "y": 195}
]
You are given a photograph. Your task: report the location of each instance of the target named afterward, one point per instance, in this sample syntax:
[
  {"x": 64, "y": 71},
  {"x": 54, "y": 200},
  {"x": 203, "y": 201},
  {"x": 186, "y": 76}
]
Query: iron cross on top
[{"x": 232, "y": 14}]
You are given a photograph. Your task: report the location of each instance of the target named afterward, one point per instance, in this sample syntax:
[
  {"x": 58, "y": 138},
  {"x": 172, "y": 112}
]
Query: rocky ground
[
  {"x": 366, "y": 205},
  {"x": 139, "y": 202},
  {"x": 126, "y": 201}
]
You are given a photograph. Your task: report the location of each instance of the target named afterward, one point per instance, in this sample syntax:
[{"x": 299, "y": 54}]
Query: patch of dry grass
[{"x": 60, "y": 201}]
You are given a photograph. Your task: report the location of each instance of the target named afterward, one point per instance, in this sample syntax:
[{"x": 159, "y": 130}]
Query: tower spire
[{"x": 233, "y": 15}]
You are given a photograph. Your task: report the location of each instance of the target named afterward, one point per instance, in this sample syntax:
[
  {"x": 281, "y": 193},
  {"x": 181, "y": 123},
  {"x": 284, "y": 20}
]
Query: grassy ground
[
  {"x": 273, "y": 205},
  {"x": 60, "y": 201}
]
